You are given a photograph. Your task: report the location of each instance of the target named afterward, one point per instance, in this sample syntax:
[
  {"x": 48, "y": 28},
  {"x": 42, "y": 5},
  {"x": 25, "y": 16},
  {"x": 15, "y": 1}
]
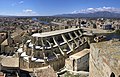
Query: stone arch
[{"x": 112, "y": 75}]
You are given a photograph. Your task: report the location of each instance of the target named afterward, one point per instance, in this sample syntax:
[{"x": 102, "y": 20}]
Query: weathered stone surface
[
  {"x": 105, "y": 59},
  {"x": 10, "y": 62},
  {"x": 78, "y": 61},
  {"x": 45, "y": 72}
]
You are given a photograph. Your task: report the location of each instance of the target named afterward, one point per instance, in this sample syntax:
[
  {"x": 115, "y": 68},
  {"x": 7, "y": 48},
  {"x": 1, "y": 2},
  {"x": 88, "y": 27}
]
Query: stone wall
[
  {"x": 45, "y": 72},
  {"x": 105, "y": 59},
  {"x": 58, "y": 64},
  {"x": 83, "y": 63},
  {"x": 69, "y": 64},
  {"x": 2, "y": 37},
  {"x": 23, "y": 64},
  {"x": 78, "y": 61}
]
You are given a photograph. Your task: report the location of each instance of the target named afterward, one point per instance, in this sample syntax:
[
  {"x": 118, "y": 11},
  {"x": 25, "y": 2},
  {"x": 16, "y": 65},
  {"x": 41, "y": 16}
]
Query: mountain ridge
[{"x": 104, "y": 14}]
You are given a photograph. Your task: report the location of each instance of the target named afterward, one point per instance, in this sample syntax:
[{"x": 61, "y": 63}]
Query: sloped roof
[
  {"x": 52, "y": 33},
  {"x": 10, "y": 62},
  {"x": 5, "y": 42},
  {"x": 80, "y": 54}
]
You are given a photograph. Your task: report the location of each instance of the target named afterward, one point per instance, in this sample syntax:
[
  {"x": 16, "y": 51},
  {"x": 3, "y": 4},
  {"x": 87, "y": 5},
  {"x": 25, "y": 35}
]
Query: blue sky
[{"x": 51, "y": 7}]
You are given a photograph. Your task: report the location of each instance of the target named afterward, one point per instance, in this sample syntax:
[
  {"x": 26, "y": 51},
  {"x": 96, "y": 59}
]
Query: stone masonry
[{"x": 105, "y": 59}]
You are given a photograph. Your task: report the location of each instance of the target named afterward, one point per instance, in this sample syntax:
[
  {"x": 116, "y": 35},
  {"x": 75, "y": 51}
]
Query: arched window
[{"x": 112, "y": 75}]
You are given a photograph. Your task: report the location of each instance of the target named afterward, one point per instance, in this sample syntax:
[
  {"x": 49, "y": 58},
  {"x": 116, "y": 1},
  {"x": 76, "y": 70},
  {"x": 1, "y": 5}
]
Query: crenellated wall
[{"x": 105, "y": 59}]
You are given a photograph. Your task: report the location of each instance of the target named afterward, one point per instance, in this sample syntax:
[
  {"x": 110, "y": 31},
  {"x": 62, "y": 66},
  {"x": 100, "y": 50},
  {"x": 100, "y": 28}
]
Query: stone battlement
[{"x": 105, "y": 59}]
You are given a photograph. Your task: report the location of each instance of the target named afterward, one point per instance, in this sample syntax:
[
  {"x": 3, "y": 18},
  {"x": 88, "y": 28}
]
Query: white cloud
[
  {"x": 92, "y": 10},
  {"x": 75, "y": 12},
  {"x": 17, "y": 3},
  {"x": 29, "y": 12},
  {"x": 26, "y": 12}
]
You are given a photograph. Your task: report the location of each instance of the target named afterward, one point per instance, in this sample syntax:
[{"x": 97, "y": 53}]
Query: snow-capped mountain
[
  {"x": 109, "y": 12},
  {"x": 100, "y": 9}
]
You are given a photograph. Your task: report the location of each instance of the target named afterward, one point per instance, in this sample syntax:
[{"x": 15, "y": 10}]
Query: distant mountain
[
  {"x": 103, "y": 14},
  {"x": 21, "y": 16}
]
